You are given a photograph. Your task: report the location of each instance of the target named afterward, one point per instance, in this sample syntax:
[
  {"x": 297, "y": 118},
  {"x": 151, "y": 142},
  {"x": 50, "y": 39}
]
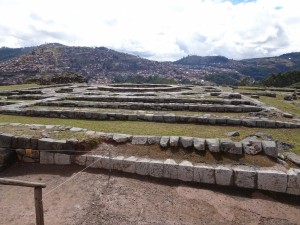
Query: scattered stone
[
  {"x": 121, "y": 138},
  {"x": 213, "y": 145},
  {"x": 199, "y": 144},
  {"x": 288, "y": 115},
  {"x": 233, "y": 134},
  {"x": 164, "y": 141},
  {"x": 269, "y": 148},
  {"x": 186, "y": 142},
  {"x": 174, "y": 141},
  {"x": 288, "y": 97}
]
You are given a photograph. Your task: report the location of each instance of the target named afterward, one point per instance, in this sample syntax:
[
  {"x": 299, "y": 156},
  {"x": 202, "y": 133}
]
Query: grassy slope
[{"x": 16, "y": 87}]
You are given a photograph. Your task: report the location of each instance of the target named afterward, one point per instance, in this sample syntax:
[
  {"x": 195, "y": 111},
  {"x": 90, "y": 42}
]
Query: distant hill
[
  {"x": 291, "y": 78},
  {"x": 9, "y": 53}
]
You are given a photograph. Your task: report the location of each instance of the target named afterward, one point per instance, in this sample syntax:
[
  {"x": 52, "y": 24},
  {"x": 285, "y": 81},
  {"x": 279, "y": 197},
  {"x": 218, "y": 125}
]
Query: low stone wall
[
  {"x": 138, "y": 85},
  {"x": 28, "y": 97},
  {"x": 139, "y": 89},
  {"x": 156, "y": 106},
  {"x": 6, "y": 103},
  {"x": 268, "y": 94},
  {"x": 160, "y": 100}
]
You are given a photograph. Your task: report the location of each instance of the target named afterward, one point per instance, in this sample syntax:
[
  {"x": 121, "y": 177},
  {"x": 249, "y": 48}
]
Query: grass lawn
[
  {"x": 291, "y": 136},
  {"x": 16, "y": 87}
]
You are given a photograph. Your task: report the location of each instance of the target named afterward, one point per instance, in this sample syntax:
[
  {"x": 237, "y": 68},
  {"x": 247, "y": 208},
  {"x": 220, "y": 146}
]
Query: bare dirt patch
[{"x": 89, "y": 199}]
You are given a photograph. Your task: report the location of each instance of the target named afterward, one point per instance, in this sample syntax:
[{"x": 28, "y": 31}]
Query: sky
[{"x": 163, "y": 30}]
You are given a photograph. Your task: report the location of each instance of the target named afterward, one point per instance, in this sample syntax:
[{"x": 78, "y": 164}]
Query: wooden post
[{"x": 38, "y": 200}]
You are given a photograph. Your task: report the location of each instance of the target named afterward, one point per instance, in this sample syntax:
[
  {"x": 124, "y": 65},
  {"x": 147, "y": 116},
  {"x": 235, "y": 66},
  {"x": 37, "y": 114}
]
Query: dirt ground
[{"x": 96, "y": 197}]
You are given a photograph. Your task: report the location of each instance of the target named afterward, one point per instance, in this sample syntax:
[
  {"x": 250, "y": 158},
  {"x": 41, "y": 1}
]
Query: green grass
[
  {"x": 286, "y": 106},
  {"x": 17, "y": 87},
  {"x": 161, "y": 129}
]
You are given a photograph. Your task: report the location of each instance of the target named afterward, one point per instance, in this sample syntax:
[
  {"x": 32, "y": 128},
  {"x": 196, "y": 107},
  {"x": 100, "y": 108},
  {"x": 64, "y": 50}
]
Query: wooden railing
[{"x": 38, "y": 199}]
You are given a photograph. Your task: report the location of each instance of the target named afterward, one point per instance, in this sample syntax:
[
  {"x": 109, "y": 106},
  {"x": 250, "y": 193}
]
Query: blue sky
[{"x": 156, "y": 29}]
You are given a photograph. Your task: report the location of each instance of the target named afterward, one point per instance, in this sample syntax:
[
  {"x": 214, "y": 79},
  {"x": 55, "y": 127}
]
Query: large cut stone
[
  {"x": 204, "y": 173},
  {"x": 186, "y": 142},
  {"x": 270, "y": 148},
  {"x": 199, "y": 144},
  {"x": 46, "y": 157},
  {"x": 80, "y": 160},
  {"x": 153, "y": 140},
  {"x": 186, "y": 171},
  {"x": 121, "y": 138},
  {"x": 156, "y": 168},
  {"x": 272, "y": 180},
  {"x": 293, "y": 158},
  {"x": 6, "y": 156},
  {"x": 252, "y": 146},
  {"x": 139, "y": 140},
  {"x": 117, "y": 162},
  {"x": 213, "y": 145},
  {"x": 224, "y": 175},
  {"x": 142, "y": 166},
  {"x": 5, "y": 140},
  {"x": 164, "y": 141},
  {"x": 245, "y": 176},
  {"x": 170, "y": 169},
  {"x": 293, "y": 186},
  {"x": 226, "y": 145},
  {"x": 174, "y": 141},
  {"x": 128, "y": 164},
  {"x": 62, "y": 159}
]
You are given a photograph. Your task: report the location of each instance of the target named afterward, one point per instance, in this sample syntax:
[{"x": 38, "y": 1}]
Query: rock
[
  {"x": 186, "y": 171},
  {"x": 169, "y": 118},
  {"x": 271, "y": 180},
  {"x": 245, "y": 176},
  {"x": 213, "y": 145},
  {"x": 204, "y": 173},
  {"x": 156, "y": 168},
  {"x": 233, "y": 134},
  {"x": 252, "y": 146},
  {"x": 142, "y": 166},
  {"x": 226, "y": 145},
  {"x": 224, "y": 175},
  {"x": 293, "y": 186},
  {"x": 254, "y": 96},
  {"x": 121, "y": 138},
  {"x": 62, "y": 159},
  {"x": 170, "y": 169},
  {"x": 46, "y": 157},
  {"x": 288, "y": 97},
  {"x": 199, "y": 144},
  {"x": 262, "y": 135},
  {"x": 164, "y": 141},
  {"x": 139, "y": 140},
  {"x": 186, "y": 142},
  {"x": 5, "y": 140},
  {"x": 293, "y": 158},
  {"x": 288, "y": 115},
  {"x": 6, "y": 156},
  {"x": 76, "y": 129},
  {"x": 117, "y": 162},
  {"x": 174, "y": 141},
  {"x": 80, "y": 160},
  {"x": 269, "y": 148},
  {"x": 153, "y": 140},
  {"x": 128, "y": 164}
]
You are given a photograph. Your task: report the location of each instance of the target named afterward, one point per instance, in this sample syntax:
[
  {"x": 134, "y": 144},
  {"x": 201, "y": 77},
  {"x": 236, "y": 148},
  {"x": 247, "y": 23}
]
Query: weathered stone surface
[
  {"x": 117, "y": 162},
  {"x": 21, "y": 142},
  {"x": 6, "y": 156},
  {"x": 156, "y": 168},
  {"x": 204, "y": 173},
  {"x": 186, "y": 142},
  {"x": 252, "y": 146},
  {"x": 174, "y": 141},
  {"x": 288, "y": 97},
  {"x": 121, "y": 138},
  {"x": 238, "y": 148},
  {"x": 153, "y": 140},
  {"x": 92, "y": 161},
  {"x": 164, "y": 141},
  {"x": 213, "y": 145},
  {"x": 62, "y": 159},
  {"x": 270, "y": 148},
  {"x": 245, "y": 176},
  {"x": 271, "y": 180},
  {"x": 170, "y": 118},
  {"x": 80, "y": 160},
  {"x": 45, "y": 143},
  {"x": 46, "y": 157},
  {"x": 76, "y": 129},
  {"x": 233, "y": 134},
  {"x": 128, "y": 164},
  {"x": 5, "y": 140},
  {"x": 139, "y": 140},
  {"x": 199, "y": 144},
  {"x": 293, "y": 158},
  {"x": 186, "y": 171},
  {"x": 288, "y": 115},
  {"x": 170, "y": 169},
  {"x": 142, "y": 166},
  {"x": 224, "y": 175},
  {"x": 293, "y": 186},
  {"x": 226, "y": 145}
]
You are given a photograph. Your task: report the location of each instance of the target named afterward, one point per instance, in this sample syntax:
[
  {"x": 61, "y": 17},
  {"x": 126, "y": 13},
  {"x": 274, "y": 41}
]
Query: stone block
[
  {"x": 199, "y": 144},
  {"x": 169, "y": 118},
  {"x": 153, "y": 140},
  {"x": 46, "y": 157},
  {"x": 186, "y": 142},
  {"x": 186, "y": 171},
  {"x": 270, "y": 148},
  {"x": 139, "y": 140},
  {"x": 93, "y": 161},
  {"x": 252, "y": 146},
  {"x": 164, "y": 141},
  {"x": 170, "y": 169},
  {"x": 80, "y": 160},
  {"x": 174, "y": 141},
  {"x": 128, "y": 164},
  {"x": 293, "y": 186},
  {"x": 245, "y": 177},
  {"x": 293, "y": 158},
  {"x": 224, "y": 175},
  {"x": 142, "y": 166},
  {"x": 6, "y": 155},
  {"x": 121, "y": 138},
  {"x": 117, "y": 162},
  {"x": 204, "y": 173},
  {"x": 156, "y": 168},
  {"x": 5, "y": 140},
  {"x": 213, "y": 145},
  {"x": 272, "y": 180},
  {"x": 62, "y": 159}
]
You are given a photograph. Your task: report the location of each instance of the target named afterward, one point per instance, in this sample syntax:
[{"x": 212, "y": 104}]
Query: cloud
[{"x": 160, "y": 30}]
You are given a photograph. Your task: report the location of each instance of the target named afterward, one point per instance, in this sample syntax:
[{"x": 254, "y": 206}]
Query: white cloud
[{"x": 162, "y": 30}]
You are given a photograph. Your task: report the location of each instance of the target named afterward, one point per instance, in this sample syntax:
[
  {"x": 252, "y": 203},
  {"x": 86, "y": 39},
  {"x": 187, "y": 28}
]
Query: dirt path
[{"x": 129, "y": 199}]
